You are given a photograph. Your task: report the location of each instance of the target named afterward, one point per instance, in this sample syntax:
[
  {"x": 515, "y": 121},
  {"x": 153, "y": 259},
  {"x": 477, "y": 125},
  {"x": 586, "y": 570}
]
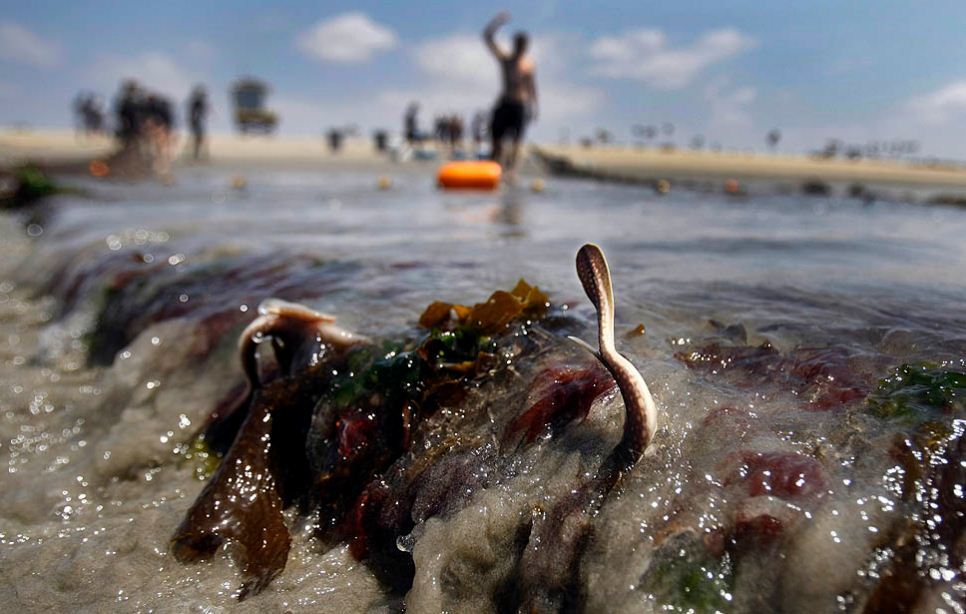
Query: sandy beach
[
  {"x": 619, "y": 163},
  {"x": 653, "y": 163},
  {"x": 64, "y": 146}
]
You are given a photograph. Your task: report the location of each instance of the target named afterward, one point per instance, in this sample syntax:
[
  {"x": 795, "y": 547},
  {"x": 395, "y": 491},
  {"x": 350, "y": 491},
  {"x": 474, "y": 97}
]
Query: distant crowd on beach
[
  {"x": 144, "y": 121},
  {"x": 448, "y": 133}
]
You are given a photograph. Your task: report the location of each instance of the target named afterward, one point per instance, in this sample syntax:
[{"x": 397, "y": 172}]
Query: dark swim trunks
[{"x": 509, "y": 119}]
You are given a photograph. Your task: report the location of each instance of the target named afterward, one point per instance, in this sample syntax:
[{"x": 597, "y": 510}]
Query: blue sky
[{"x": 730, "y": 71}]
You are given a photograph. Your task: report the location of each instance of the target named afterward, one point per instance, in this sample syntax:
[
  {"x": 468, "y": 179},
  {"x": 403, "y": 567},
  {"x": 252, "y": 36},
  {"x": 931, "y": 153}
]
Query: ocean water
[{"x": 769, "y": 483}]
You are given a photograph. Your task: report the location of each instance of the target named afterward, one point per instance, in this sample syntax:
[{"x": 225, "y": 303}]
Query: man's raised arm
[{"x": 488, "y": 34}]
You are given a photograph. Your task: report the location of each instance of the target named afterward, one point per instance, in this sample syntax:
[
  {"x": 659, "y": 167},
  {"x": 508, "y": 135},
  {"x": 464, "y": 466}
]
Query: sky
[{"x": 730, "y": 71}]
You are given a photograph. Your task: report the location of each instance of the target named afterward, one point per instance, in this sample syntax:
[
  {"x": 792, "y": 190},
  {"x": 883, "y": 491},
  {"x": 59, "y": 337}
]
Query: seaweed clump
[
  {"x": 316, "y": 434},
  {"x": 922, "y": 554},
  {"x": 686, "y": 577},
  {"x": 490, "y": 316},
  {"x": 30, "y": 185},
  {"x": 919, "y": 390}
]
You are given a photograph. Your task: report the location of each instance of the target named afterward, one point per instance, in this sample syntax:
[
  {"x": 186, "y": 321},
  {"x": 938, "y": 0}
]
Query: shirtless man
[{"x": 518, "y": 100}]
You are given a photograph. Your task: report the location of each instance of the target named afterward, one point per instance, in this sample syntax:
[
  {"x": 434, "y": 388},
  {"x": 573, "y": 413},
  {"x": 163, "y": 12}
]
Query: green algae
[{"x": 919, "y": 392}]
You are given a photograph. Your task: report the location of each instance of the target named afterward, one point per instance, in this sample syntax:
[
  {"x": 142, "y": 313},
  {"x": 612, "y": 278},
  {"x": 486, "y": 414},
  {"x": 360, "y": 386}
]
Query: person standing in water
[
  {"x": 411, "y": 125},
  {"x": 476, "y": 128},
  {"x": 159, "y": 124},
  {"x": 517, "y": 103},
  {"x": 197, "y": 113}
]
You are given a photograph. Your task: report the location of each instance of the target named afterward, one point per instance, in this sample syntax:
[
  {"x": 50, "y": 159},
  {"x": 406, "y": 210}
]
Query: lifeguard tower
[{"x": 250, "y": 113}]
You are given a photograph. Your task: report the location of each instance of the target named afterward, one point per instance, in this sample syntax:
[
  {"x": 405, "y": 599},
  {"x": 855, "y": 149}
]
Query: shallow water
[{"x": 93, "y": 490}]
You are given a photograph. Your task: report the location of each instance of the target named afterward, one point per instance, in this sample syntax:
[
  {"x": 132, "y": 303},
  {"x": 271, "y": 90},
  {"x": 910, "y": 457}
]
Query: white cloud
[
  {"x": 346, "y": 38},
  {"x": 154, "y": 70},
  {"x": 645, "y": 55},
  {"x": 941, "y": 105},
  {"x": 460, "y": 57},
  {"x": 18, "y": 44},
  {"x": 729, "y": 107}
]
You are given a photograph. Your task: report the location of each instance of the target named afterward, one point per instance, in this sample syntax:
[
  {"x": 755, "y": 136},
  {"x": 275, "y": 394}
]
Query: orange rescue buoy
[
  {"x": 98, "y": 168},
  {"x": 469, "y": 175}
]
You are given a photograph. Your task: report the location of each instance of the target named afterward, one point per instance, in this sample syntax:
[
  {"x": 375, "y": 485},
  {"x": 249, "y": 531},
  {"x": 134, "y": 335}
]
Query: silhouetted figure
[
  {"x": 128, "y": 111},
  {"x": 455, "y": 131},
  {"x": 440, "y": 129},
  {"x": 158, "y": 125},
  {"x": 411, "y": 125},
  {"x": 380, "y": 139},
  {"x": 831, "y": 149},
  {"x": 645, "y": 133},
  {"x": 197, "y": 114},
  {"x": 89, "y": 112},
  {"x": 477, "y": 128},
  {"x": 773, "y": 138},
  {"x": 335, "y": 136},
  {"x": 518, "y": 99}
]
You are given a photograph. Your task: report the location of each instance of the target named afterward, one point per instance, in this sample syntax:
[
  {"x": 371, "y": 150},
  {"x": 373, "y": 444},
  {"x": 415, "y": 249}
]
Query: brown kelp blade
[{"x": 241, "y": 505}]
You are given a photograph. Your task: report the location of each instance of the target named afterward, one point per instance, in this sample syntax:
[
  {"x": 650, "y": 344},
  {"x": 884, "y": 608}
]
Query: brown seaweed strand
[{"x": 241, "y": 504}]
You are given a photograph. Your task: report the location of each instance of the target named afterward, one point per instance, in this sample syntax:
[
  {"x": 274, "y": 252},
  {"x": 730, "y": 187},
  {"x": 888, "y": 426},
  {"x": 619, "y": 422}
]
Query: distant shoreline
[
  {"x": 631, "y": 164},
  {"x": 63, "y": 149}
]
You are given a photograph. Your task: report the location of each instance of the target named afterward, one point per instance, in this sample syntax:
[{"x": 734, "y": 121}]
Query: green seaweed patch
[
  {"x": 415, "y": 377},
  {"x": 202, "y": 459},
  {"x": 459, "y": 345},
  {"x": 402, "y": 372},
  {"x": 686, "y": 577},
  {"x": 917, "y": 392},
  {"x": 30, "y": 185},
  {"x": 456, "y": 350}
]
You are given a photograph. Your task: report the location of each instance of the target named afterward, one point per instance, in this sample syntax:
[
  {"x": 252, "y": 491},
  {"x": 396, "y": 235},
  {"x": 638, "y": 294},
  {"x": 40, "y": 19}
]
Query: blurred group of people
[
  {"x": 448, "y": 129},
  {"x": 144, "y": 122},
  {"x": 449, "y": 132}
]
